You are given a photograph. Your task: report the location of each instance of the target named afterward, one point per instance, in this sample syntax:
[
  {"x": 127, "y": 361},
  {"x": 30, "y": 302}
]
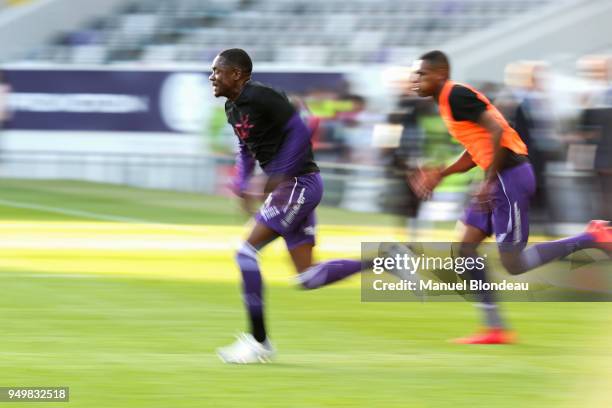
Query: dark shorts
[
  {"x": 289, "y": 210},
  {"x": 509, "y": 217}
]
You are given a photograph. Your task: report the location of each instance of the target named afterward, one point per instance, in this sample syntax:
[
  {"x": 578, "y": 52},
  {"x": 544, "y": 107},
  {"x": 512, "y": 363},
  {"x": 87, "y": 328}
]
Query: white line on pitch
[
  {"x": 96, "y": 216},
  {"x": 66, "y": 211}
]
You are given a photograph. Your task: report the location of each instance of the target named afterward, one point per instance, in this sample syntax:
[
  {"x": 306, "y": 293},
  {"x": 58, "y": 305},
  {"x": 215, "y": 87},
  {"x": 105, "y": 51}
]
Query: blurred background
[
  {"x": 118, "y": 230},
  {"x": 118, "y": 92}
]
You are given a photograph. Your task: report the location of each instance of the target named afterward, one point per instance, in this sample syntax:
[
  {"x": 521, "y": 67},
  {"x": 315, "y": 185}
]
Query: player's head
[
  {"x": 432, "y": 70},
  {"x": 231, "y": 68}
]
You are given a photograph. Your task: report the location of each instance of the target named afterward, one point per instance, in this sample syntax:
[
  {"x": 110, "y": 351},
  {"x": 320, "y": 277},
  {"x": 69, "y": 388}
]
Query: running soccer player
[
  {"x": 271, "y": 132},
  {"x": 501, "y": 207}
]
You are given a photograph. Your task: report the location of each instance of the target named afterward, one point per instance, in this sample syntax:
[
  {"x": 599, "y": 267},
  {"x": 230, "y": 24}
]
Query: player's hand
[
  {"x": 248, "y": 202},
  {"x": 424, "y": 181},
  {"x": 484, "y": 195}
]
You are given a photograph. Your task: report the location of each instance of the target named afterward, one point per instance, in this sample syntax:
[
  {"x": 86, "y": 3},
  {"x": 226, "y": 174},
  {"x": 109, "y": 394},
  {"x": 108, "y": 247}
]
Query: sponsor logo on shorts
[
  {"x": 295, "y": 208},
  {"x": 309, "y": 230},
  {"x": 269, "y": 212}
]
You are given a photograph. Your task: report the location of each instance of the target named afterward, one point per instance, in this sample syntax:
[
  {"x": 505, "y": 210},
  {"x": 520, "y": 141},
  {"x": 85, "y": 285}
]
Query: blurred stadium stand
[
  {"x": 558, "y": 34},
  {"x": 320, "y": 32},
  {"x": 26, "y": 25}
]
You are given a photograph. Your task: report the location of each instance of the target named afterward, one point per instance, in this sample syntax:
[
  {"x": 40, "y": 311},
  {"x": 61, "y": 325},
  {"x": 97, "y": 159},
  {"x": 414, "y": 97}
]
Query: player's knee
[
  {"x": 246, "y": 256},
  {"x": 512, "y": 262}
]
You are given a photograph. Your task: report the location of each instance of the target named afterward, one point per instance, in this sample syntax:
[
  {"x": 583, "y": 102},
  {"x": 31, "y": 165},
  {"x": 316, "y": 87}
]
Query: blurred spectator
[
  {"x": 399, "y": 160},
  {"x": 358, "y": 125},
  {"x": 595, "y": 126},
  {"x": 526, "y": 103},
  {"x": 595, "y": 69},
  {"x": 509, "y": 98},
  {"x": 324, "y": 105},
  {"x": 598, "y": 122}
]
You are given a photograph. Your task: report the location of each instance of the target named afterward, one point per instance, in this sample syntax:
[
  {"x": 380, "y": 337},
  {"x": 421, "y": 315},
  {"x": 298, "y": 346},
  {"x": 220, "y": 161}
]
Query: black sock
[
  {"x": 258, "y": 328},
  {"x": 252, "y": 290}
]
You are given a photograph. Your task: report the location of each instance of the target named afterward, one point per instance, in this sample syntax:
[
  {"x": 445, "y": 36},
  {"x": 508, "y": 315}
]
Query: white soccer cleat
[{"x": 246, "y": 350}]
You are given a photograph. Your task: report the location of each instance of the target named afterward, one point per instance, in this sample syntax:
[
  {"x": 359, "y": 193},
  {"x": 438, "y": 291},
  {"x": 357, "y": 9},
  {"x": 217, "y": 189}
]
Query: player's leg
[
  {"x": 478, "y": 225},
  {"x": 282, "y": 213},
  {"x": 301, "y": 256},
  {"x": 495, "y": 331},
  {"x": 328, "y": 272},
  {"x": 300, "y": 243},
  {"x": 251, "y": 347},
  {"x": 598, "y": 234},
  {"x": 311, "y": 276},
  {"x": 296, "y": 222},
  {"x": 297, "y": 226},
  {"x": 511, "y": 219},
  {"x": 252, "y": 285}
]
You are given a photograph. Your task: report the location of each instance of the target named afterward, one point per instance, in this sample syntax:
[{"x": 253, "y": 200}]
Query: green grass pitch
[{"x": 123, "y": 295}]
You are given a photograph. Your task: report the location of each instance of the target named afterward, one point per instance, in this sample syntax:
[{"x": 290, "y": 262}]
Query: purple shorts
[
  {"x": 509, "y": 217},
  {"x": 289, "y": 210}
]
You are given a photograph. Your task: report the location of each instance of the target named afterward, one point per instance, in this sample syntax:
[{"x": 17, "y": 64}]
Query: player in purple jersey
[{"x": 271, "y": 132}]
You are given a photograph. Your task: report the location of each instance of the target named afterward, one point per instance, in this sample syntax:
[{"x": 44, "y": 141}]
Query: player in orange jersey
[{"x": 501, "y": 206}]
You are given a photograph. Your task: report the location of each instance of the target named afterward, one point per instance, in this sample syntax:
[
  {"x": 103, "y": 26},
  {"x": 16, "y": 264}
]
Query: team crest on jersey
[{"x": 243, "y": 128}]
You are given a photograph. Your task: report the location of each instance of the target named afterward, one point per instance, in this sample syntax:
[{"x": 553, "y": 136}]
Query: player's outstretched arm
[{"x": 461, "y": 165}]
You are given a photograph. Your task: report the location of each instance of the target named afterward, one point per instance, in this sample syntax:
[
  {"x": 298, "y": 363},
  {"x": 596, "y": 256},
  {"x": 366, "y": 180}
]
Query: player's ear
[
  {"x": 236, "y": 74},
  {"x": 442, "y": 73}
]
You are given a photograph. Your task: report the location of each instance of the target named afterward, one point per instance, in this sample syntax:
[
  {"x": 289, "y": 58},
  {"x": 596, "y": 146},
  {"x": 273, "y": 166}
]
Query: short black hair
[
  {"x": 238, "y": 58},
  {"x": 436, "y": 58}
]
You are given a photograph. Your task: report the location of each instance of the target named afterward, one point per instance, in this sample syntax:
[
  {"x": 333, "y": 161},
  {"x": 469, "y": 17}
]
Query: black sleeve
[{"x": 465, "y": 104}]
